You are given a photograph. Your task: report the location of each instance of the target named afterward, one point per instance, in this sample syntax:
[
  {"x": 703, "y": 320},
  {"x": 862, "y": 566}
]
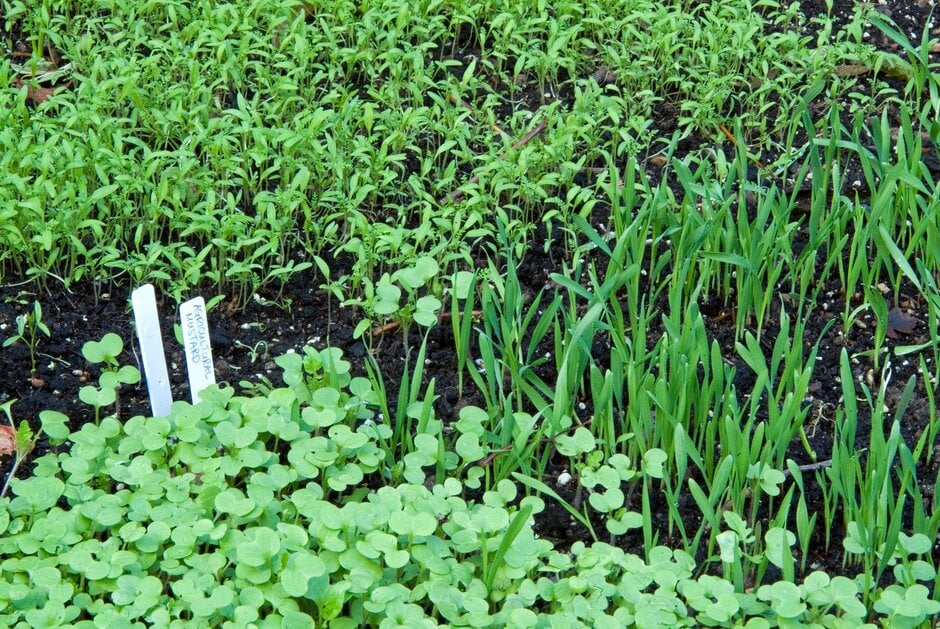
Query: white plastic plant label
[
  {"x": 199, "y": 363},
  {"x": 144, "y": 303}
]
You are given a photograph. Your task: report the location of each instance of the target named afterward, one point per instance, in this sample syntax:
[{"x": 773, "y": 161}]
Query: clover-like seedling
[
  {"x": 712, "y": 597},
  {"x": 767, "y": 477},
  {"x": 105, "y": 353},
  {"x": 908, "y": 569},
  {"x": 384, "y": 299},
  {"x": 608, "y": 478},
  {"x": 821, "y": 591},
  {"x": 581, "y": 441},
  {"x": 387, "y": 297},
  {"x": 732, "y": 541},
  {"x": 414, "y": 277},
  {"x": 739, "y": 526},
  {"x": 785, "y": 598},
  {"x": 857, "y": 540},
  {"x": 624, "y": 520},
  {"x": 653, "y": 461},
  {"x": 421, "y": 310},
  {"x": 728, "y": 546},
  {"x": 906, "y": 607}
]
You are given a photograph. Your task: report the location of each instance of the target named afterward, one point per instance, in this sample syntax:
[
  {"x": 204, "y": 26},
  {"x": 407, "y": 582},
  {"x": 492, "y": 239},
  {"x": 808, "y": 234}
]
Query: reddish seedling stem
[{"x": 734, "y": 143}]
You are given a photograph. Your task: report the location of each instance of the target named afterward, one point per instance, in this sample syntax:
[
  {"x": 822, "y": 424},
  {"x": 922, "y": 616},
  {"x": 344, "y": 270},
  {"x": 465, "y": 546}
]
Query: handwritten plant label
[
  {"x": 199, "y": 363},
  {"x": 144, "y": 303}
]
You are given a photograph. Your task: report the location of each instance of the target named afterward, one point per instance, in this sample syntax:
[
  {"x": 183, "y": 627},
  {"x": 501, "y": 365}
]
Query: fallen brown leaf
[
  {"x": 899, "y": 321},
  {"x": 7, "y": 440},
  {"x": 604, "y": 75},
  {"x": 851, "y": 69},
  {"x": 37, "y": 94}
]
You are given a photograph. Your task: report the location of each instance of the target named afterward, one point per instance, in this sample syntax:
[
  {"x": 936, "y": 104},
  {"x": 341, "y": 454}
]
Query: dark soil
[{"x": 246, "y": 338}]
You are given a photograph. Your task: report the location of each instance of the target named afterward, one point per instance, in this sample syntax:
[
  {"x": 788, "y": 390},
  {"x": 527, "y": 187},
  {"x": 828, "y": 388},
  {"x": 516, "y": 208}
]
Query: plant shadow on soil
[{"x": 247, "y": 337}]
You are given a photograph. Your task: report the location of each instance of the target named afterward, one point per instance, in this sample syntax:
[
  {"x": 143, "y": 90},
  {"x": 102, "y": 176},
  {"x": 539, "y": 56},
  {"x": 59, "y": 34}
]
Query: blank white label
[
  {"x": 144, "y": 303},
  {"x": 199, "y": 363}
]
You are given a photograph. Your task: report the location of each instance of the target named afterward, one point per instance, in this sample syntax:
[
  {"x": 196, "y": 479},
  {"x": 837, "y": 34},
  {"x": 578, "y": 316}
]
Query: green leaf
[
  {"x": 607, "y": 501},
  {"x": 626, "y": 521},
  {"x": 55, "y": 425},
  {"x": 653, "y": 462},
  {"x": 426, "y": 310},
  {"x": 417, "y": 524},
  {"x": 106, "y": 350},
  {"x": 785, "y": 599},
  {"x": 301, "y": 567},
  {"x": 45, "y": 576},
  {"x": 24, "y": 440},
  {"x": 386, "y": 299},
  {"x": 917, "y": 544},
  {"x": 297, "y": 620},
  {"x": 518, "y": 522},
  {"x": 234, "y": 502},
  {"x": 96, "y": 397},
  {"x": 778, "y": 541},
  {"x": 581, "y": 441},
  {"x": 101, "y": 193},
  {"x": 468, "y": 448},
  {"x": 128, "y": 375},
  {"x": 261, "y": 544},
  {"x": 462, "y": 282},
  {"x": 727, "y": 546},
  {"x": 885, "y": 240},
  {"x": 41, "y": 493}
]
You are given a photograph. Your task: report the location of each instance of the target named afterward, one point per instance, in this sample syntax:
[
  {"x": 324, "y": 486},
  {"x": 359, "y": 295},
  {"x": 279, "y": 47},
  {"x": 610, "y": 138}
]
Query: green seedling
[
  {"x": 132, "y": 507},
  {"x": 104, "y": 353},
  {"x": 383, "y": 300},
  {"x": 463, "y": 288},
  {"x": 28, "y": 328},
  {"x": 53, "y": 424},
  {"x": 256, "y": 351},
  {"x": 334, "y": 502},
  {"x": 334, "y": 288}
]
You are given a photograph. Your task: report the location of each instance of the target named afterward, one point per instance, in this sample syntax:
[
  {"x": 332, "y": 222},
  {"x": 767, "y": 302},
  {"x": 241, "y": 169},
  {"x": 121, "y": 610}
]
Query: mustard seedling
[{"x": 105, "y": 353}]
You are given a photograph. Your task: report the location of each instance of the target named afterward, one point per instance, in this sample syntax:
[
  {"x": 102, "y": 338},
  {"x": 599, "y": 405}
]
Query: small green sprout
[{"x": 28, "y": 327}]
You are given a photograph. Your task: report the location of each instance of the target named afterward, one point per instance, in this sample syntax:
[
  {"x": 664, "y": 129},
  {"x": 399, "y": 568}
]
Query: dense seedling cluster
[
  {"x": 232, "y": 142},
  {"x": 408, "y": 159},
  {"x": 276, "y": 511}
]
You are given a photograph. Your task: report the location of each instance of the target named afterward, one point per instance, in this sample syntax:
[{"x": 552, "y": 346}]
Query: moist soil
[{"x": 246, "y": 337}]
